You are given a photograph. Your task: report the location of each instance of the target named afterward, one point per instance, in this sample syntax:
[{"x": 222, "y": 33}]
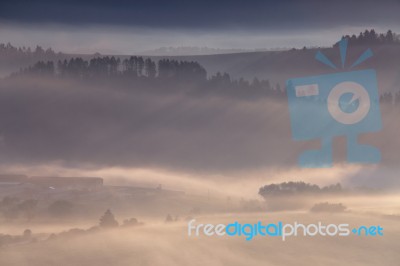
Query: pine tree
[
  {"x": 108, "y": 220},
  {"x": 150, "y": 68}
]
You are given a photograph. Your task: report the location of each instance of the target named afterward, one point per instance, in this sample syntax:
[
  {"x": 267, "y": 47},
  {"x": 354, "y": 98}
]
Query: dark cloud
[{"x": 203, "y": 14}]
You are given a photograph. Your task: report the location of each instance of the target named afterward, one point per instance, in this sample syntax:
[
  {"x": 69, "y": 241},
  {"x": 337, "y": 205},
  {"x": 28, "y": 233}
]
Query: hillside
[{"x": 276, "y": 66}]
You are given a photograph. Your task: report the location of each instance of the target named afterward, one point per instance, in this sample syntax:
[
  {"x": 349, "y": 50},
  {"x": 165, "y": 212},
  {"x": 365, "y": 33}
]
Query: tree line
[
  {"x": 296, "y": 188},
  {"x": 389, "y": 98},
  {"x": 9, "y": 49},
  {"x": 371, "y": 37},
  {"x": 134, "y": 66},
  {"x": 138, "y": 68},
  {"x": 163, "y": 73},
  {"x": 26, "y": 55}
]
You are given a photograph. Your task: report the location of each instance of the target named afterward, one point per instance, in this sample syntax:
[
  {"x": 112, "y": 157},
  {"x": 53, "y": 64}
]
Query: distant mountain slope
[
  {"x": 281, "y": 65},
  {"x": 277, "y": 66},
  {"x": 189, "y": 50}
]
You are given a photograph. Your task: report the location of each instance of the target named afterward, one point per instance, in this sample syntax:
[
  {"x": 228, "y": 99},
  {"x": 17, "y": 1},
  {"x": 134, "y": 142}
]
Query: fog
[
  {"x": 104, "y": 160},
  {"x": 100, "y": 128},
  {"x": 168, "y": 244}
]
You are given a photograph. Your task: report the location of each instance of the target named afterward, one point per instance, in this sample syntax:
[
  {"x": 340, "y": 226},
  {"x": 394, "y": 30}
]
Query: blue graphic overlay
[{"x": 338, "y": 104}]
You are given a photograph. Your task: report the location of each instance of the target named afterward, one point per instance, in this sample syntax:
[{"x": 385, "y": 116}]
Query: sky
[{"x": 127, "y": 27}]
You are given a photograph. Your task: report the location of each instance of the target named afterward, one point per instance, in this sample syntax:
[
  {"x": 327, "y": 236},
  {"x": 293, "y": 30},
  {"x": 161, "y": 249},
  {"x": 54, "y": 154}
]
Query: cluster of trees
[
  {"x": 243, "y": 87},
  {"x": 135, "y": 67},
  {"x": 38, "y": 51},
  {"x": 181, "y": 70},
  {"x": 107, "y": 220},
  {"x": 370, "y": 37},
  {"x": 19, "y": 56},
  {"x": 296, "y": 188},
  {"x": 10, "y": 50},
  {"x": 41, "y": 68},
  {"x": 390, "y": 99},
  {"x": 164, "y": 73}
]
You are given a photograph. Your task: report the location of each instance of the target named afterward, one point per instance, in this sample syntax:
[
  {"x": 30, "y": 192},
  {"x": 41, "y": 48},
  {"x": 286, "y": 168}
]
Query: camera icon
[{"x": 338, "y": 104}]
